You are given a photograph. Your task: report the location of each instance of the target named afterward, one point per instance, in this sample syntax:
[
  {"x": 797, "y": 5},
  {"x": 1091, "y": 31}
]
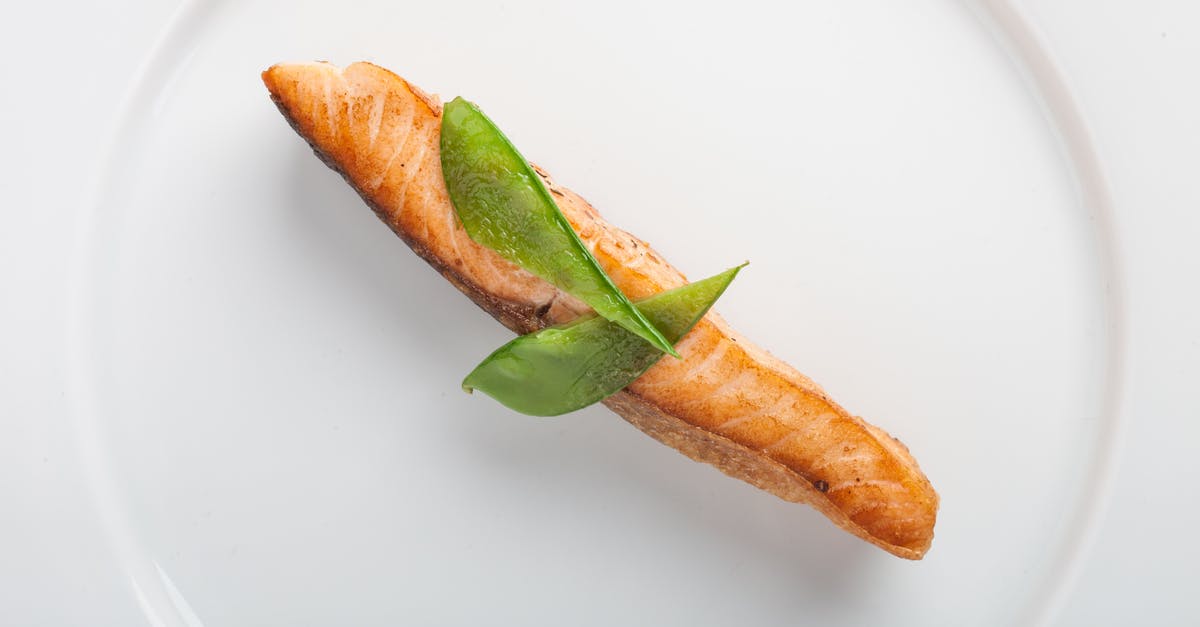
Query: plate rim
[{"x": 1024, "y": 45}]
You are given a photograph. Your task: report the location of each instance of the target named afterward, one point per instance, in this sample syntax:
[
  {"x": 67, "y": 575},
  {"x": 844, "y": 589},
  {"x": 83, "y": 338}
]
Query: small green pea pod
[
  {"x": 561, "y": 369},
  {"x": 504, "y": 205}
]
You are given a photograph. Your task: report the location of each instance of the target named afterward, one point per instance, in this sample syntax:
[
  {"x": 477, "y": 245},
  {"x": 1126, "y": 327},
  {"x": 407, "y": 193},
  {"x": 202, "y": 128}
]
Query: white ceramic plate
[{"x": 266, "y": 380}]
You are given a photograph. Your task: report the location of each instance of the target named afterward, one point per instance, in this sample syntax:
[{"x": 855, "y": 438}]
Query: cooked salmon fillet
[{"x": 727, "y": 402}]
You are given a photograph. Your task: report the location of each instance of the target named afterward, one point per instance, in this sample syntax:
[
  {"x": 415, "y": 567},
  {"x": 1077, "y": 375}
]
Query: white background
[{"x": 1132, "y": 67}]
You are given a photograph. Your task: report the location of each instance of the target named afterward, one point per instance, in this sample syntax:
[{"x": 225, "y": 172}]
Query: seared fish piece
[{"x": 727, "y": 402}]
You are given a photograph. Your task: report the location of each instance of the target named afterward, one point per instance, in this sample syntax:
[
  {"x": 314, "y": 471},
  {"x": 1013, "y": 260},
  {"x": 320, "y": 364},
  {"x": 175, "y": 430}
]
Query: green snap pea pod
[
  {"x": 504, "y": 205},
  {"x": 561, "y": 369}
]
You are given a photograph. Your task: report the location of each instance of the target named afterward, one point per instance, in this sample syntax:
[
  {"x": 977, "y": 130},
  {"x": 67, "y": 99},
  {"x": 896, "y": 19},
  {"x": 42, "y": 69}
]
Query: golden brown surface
[{"x": 727, "y": 402}]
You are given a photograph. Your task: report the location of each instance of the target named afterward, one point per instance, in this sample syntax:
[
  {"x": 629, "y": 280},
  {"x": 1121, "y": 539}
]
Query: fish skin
[{"x": 727, "y": 402}]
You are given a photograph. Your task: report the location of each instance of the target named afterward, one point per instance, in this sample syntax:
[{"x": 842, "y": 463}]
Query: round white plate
[{"x": 267, "y": 379}]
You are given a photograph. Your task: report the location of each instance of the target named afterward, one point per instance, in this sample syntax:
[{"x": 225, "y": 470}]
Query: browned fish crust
[{"x": 727, "y": 402}]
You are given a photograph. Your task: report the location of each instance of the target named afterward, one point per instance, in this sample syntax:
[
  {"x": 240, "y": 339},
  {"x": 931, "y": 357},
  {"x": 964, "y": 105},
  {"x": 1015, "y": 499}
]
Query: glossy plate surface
[{"x": 265, "y": 380}]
